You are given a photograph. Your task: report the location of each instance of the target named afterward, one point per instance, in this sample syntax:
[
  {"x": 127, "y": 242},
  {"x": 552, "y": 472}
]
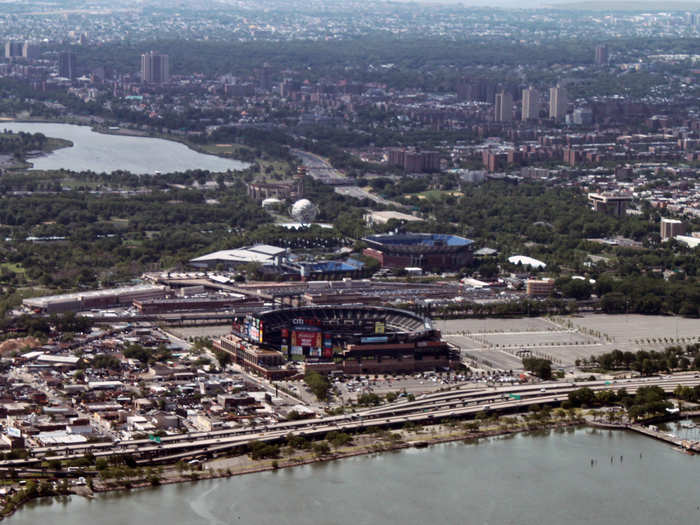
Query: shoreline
[
  {"x": 266, "y": 465},
  {"x": 104, "y": 130},
  {"x": 450, "y": 434},
  {"x": 52, "y": 144}
]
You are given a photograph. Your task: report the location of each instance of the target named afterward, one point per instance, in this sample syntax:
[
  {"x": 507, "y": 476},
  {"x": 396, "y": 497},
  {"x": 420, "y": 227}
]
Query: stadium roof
[
  {"x": 260, "y": 253},
  {"x": 418, "y": 243},
  {"x": 397, "y": 320},
  {"x": 424, "y": 239},
  {"x": 332, "y": 266}
]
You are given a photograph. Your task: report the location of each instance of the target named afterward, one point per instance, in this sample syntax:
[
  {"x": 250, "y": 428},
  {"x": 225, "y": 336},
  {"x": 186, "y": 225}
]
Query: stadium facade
[
  {"x": 351, "y": 339},
  {"x": 432, "y": 252}
]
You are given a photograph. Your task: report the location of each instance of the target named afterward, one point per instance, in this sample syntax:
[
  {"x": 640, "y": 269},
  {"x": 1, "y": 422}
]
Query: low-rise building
[
  {"x": 611, "y": 203},
  {"x": 539, "y": 287}
]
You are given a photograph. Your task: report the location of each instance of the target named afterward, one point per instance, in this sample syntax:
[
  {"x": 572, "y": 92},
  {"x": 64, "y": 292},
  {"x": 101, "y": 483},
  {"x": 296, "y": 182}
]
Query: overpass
[{"x": 462, "y": 403}]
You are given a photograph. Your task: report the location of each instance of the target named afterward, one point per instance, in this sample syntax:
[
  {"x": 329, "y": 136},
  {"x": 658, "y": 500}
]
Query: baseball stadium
[{"x": 352, "y": 339}]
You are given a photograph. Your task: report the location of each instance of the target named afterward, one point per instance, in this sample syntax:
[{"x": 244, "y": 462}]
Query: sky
[{"x": 546, "y": 3}]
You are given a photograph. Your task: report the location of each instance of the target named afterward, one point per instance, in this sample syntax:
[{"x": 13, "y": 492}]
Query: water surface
[
  {"x": 579, "y": 476},
  {"x": 100, "y": 152}
]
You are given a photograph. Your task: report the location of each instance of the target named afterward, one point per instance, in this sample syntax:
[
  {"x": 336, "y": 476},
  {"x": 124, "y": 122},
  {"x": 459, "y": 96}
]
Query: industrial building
[
  {"x": 79, "y": 301},
  {"x": 188, "y": 304},
  {"x": 432, "y": 252}
]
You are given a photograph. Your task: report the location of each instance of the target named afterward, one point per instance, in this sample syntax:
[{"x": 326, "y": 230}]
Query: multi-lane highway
[{"x": 465, "y": 402}]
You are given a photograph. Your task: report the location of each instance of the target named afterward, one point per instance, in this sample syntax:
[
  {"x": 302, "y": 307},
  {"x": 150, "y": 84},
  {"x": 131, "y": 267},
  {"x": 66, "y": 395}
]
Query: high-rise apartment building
[
  {"x": 415, "y": 161},
  {"x": 531, "y": 104},
  {"x": 601, "y": 54},
  {"x": 670, "y": 228},
  {"x": 504, "y": 107},
  {"x": 67, "y": 65},
  {"x": 155, "y": 68},
  {"x": 30, "y": 51},
  {"x": 265, "y": 77},
  {"x": 477, "y": 89},
  {"x": 13, "y": 49},
  {"x": 558, "y": 102}
]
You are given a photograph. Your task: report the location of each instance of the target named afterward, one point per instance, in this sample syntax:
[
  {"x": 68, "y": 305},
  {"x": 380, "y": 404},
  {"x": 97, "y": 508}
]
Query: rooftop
[
  {"x": 261, "y": 253},
  {"x": 108, "y": 292},
  {"x": 422, "y": 239},
  {"x": 526, "y": 261},
  {"x": 382, "y": 217}
]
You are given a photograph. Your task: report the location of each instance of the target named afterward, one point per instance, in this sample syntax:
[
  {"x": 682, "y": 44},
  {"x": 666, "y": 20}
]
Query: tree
[
  {"x": 105, "y": 361},
  {"x": 578, "y": 289},
  {"x": 321, "y": 448},
  {"x": 319, "y": 384},
  {"x": 542, "y": 368},
  {"x": 614, "y": 303},
  {"x": 581, "y": 397}
]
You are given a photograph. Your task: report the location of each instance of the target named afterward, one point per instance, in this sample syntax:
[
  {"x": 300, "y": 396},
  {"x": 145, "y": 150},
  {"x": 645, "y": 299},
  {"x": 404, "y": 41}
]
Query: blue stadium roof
[
  {"x": 333, "y": 266},
  {"x": 423, "y": 239}
]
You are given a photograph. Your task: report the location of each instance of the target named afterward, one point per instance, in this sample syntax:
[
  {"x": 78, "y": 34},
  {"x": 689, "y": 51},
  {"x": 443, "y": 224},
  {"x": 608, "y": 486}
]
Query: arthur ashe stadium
[{"x": 350, "y": 339}]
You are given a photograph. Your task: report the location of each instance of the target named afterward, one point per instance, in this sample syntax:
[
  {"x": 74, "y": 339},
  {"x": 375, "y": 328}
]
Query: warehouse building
[{"x": 107, "y": 298}]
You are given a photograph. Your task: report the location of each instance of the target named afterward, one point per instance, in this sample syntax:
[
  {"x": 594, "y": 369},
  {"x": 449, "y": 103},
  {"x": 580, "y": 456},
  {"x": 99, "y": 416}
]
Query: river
[
  {"x": 581, "y": 476},
  {"x": 101, "y": 152}
]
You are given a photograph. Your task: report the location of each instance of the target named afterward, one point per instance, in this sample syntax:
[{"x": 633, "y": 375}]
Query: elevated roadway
[{"x": 433, "y": 407}]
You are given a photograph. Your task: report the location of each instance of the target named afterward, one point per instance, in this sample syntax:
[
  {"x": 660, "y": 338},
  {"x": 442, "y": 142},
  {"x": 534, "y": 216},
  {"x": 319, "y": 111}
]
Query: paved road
[
  {"x": 432, "y": 407},
  {"x": 358, "y": 193},
  {"x": 319, "y": 168}
]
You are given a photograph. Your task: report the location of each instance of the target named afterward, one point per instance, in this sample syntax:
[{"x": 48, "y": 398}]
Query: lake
[
  {"x": 581, "y": 476},
  {"x": 100, "y": 152}
]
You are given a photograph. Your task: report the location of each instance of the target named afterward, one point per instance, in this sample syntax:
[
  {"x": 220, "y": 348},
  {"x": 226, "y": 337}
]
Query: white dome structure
[
  {"x": 304, "y": 211},
  {"x": 270, "y": 202}
]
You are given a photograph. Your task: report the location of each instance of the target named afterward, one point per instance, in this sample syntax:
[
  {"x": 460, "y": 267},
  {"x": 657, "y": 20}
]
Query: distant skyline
[
  {"x": 647, "y": 5},
  {"x": 595, "y": 4}
]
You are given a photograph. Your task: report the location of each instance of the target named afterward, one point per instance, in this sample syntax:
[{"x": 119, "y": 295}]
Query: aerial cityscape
[{"x": 249, "y": 248}]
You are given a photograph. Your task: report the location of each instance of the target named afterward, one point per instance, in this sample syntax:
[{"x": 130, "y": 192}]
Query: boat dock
[
  {"x": 672, "y": 439},
  {"x": 653, "y": 432}
]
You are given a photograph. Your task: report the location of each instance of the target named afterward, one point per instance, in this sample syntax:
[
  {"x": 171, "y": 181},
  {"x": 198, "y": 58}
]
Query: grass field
[{"x": 13, "y": 267}]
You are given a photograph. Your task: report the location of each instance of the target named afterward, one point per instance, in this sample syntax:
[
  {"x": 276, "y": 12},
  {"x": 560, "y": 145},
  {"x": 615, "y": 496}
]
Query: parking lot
[
  {"x": 350, "y": 388},
  {"x": 638, "y": 328},
  {"x": 495, "y": 343},
  {"x": 482, "y": 326}
]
